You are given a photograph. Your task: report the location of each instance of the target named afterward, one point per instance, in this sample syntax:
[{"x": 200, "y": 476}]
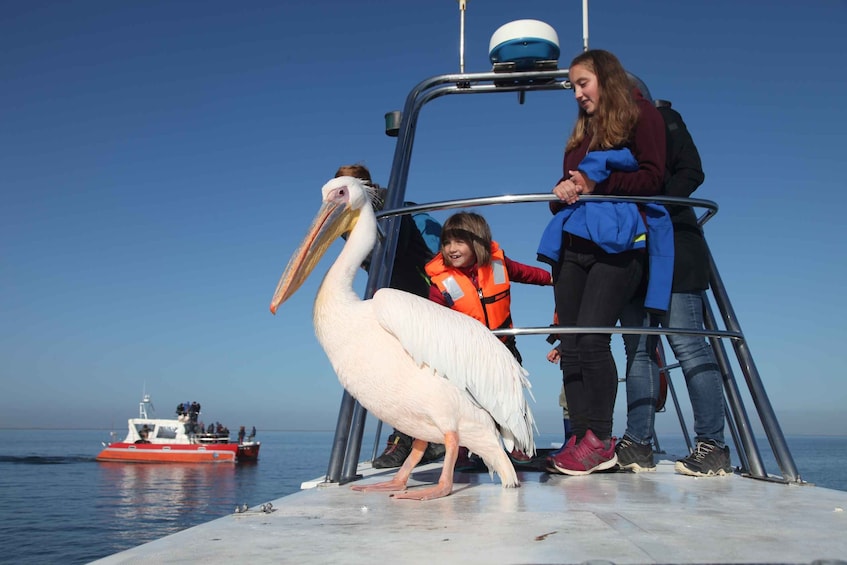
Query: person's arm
[
  {"x": 596, "y": 167},
  {"x": 648, "y": 148},
  {"x": 566, "y": 189},
  {"x": 436, "y": 296},
  {"x": 686, "y": 169},
  {"x": 527, "y": 274}
]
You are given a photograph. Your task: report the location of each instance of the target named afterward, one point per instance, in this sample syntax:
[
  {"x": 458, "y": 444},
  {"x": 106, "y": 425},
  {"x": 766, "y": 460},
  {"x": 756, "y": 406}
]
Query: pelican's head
[{"x": 343, "y": 199}]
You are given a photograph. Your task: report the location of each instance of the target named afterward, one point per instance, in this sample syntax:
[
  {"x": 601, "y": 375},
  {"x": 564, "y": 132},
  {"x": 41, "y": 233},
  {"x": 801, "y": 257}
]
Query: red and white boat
[{"x": 180, "y": 440}]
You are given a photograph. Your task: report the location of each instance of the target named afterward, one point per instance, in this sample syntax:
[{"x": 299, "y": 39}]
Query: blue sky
[{"x": 159, "y": 162}]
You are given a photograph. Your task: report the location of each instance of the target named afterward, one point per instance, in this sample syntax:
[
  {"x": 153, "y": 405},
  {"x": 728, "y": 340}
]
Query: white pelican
[{"x": 433, "y": 373}]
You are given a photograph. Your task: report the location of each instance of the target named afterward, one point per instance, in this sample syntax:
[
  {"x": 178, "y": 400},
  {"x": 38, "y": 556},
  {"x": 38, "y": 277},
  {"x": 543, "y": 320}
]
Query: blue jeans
[{"x": 695, "y": 356}]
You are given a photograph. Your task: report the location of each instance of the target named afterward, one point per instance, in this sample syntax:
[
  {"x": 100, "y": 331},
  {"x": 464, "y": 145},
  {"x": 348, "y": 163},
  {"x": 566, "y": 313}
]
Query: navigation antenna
[
  {"x": 585, "y": 25},
  {"x": 462, "y": 7},
  {"x": 146, "y": 402}
]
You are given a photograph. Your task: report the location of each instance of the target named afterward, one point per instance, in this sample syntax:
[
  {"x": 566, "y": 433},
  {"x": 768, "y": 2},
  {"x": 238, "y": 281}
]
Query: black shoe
[
  {"x": 434, "y": 452},
  {"x": 707, "y": 460},
  {"x": 396, "y": 451},
  {"x": 635, "y": 457}
]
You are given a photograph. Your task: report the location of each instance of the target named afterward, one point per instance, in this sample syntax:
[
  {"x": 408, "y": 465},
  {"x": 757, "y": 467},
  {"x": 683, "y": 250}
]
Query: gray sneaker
[
  {"x": 635, "y": 457},
  {"x": 707, "y": 460}
]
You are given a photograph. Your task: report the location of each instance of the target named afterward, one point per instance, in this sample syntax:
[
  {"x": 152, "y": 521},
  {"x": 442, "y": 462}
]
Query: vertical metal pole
[
  {"x": 585, "y": 25},
  {"x": 462, "y": 7},
  {"x": 377, "y": 442},
  {"x": 682, "y": 426},
  {"x": 354, "y": 444},
  {"x": 342, "y": 433},
  {"x": 754, "y": 380},
  {"x": 734, "y": 410}
]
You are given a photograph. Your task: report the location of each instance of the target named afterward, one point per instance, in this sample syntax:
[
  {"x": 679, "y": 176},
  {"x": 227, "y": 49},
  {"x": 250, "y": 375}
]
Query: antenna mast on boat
[
  {"x": 462, "y": 6},
  {"x": 585, "y": 25},
  {"x": 146, "y": 402}
]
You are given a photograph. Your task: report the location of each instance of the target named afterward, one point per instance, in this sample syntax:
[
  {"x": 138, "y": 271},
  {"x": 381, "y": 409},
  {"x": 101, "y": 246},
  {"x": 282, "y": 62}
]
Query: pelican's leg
[
  {"x": 445, "y": 482},
  {"x": 402, "y": 477}
]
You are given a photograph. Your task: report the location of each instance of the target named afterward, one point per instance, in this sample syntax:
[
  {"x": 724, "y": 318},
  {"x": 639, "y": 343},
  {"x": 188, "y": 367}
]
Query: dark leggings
[{"x": 591, "y": 290}]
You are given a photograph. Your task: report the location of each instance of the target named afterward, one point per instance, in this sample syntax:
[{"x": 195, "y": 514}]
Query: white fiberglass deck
[{"x": 659, "y": 517}]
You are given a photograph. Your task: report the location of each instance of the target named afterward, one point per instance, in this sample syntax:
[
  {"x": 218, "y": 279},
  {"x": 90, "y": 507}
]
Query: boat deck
[{"x": 659, "y": 517}]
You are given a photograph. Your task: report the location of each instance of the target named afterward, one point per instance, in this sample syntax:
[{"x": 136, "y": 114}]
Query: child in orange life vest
[{"x": 472, "y": 275}]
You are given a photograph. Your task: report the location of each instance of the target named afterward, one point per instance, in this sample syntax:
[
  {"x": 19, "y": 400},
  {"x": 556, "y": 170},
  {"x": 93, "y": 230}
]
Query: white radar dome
[{"x": 524, "y": 42}]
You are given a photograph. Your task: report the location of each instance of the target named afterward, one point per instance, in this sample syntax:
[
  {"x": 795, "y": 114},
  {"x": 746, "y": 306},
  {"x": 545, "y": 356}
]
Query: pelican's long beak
[{"x": 334, "y": 218}]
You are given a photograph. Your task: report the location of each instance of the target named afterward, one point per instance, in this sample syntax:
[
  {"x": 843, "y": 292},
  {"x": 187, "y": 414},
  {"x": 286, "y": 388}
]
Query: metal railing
[{"x": 347, "y": 444}]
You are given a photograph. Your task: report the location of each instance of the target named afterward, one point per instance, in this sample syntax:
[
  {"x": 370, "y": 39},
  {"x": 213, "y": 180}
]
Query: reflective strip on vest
[
  {"x": 499, "y": 272},
  {"x": 453, "y": 288}
]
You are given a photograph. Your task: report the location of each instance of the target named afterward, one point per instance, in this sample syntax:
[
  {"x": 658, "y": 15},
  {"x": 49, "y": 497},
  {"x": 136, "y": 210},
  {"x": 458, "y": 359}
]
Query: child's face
[{"x": 459, "y": 253}]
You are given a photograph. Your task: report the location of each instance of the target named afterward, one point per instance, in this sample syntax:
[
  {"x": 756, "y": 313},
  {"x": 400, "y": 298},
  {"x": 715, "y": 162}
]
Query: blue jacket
[
  {"x": 618, "y": 227},
  {"x": 598, "y": 165}
]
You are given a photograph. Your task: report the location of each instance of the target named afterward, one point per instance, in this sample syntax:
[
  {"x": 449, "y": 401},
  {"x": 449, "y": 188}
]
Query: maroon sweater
[
  {"x": 518, "y": 272},
  {"x": 647, "y": 146}
]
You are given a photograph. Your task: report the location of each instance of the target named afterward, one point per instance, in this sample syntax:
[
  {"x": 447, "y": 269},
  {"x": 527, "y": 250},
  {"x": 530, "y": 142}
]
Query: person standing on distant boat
[
  {"x": 694, "y": 354},
  {"x": 408, "y": 274},
  {"x": 591, "y": 284},
  {"x": 241, "y": 433}
]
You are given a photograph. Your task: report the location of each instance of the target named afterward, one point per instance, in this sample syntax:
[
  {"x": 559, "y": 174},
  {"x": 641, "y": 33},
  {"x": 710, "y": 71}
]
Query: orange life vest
[{"x": 490, "y": 303}]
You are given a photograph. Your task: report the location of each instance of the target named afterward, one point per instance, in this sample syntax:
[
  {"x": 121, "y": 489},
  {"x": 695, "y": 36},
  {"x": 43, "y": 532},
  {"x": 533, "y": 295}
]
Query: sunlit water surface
[{"x": 58, "y": 505}]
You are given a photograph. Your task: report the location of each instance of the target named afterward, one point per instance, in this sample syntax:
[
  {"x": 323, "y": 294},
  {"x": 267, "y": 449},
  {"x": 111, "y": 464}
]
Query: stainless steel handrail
[
  {"x": 347, "y": 445},
  {"x": 351, "y": 419}
]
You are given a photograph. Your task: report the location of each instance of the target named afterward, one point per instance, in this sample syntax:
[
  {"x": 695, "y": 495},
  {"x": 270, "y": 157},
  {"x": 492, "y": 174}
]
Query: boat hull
[
  {"x": 248, "y": 452},
  {"x": 159, "y": 453}
]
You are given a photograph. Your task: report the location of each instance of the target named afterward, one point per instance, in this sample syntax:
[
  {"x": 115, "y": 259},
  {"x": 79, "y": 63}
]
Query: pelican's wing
[{"x": 460, "y": 349}]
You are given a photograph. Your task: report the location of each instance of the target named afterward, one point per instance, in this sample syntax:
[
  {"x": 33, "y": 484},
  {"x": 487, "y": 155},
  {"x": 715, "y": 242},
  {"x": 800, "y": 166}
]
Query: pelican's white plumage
[{"x": 431, "y": 372}]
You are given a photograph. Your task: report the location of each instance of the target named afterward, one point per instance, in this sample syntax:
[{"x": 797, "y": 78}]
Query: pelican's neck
[{"x": 359, "y": 244}]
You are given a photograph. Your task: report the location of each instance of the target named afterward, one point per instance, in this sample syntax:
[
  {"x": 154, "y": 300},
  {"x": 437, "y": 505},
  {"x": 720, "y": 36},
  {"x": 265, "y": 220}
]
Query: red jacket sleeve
[
  {"x": 436, "y": 296},
  {"x": 518, "y": 272}
]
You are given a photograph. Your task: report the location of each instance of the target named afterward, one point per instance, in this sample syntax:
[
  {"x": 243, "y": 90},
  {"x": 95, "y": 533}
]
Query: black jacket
[
  {"x": 684, "y": 173},
  {"x": 410, "y": 260}
]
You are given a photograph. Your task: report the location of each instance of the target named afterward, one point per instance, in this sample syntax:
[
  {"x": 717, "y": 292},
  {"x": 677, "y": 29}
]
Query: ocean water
[{"x": 58, "y": 505}]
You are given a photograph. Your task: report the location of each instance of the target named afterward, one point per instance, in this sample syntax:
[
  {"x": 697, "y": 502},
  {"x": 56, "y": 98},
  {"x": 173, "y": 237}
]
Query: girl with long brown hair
[{"x": 591, "y": 284}]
